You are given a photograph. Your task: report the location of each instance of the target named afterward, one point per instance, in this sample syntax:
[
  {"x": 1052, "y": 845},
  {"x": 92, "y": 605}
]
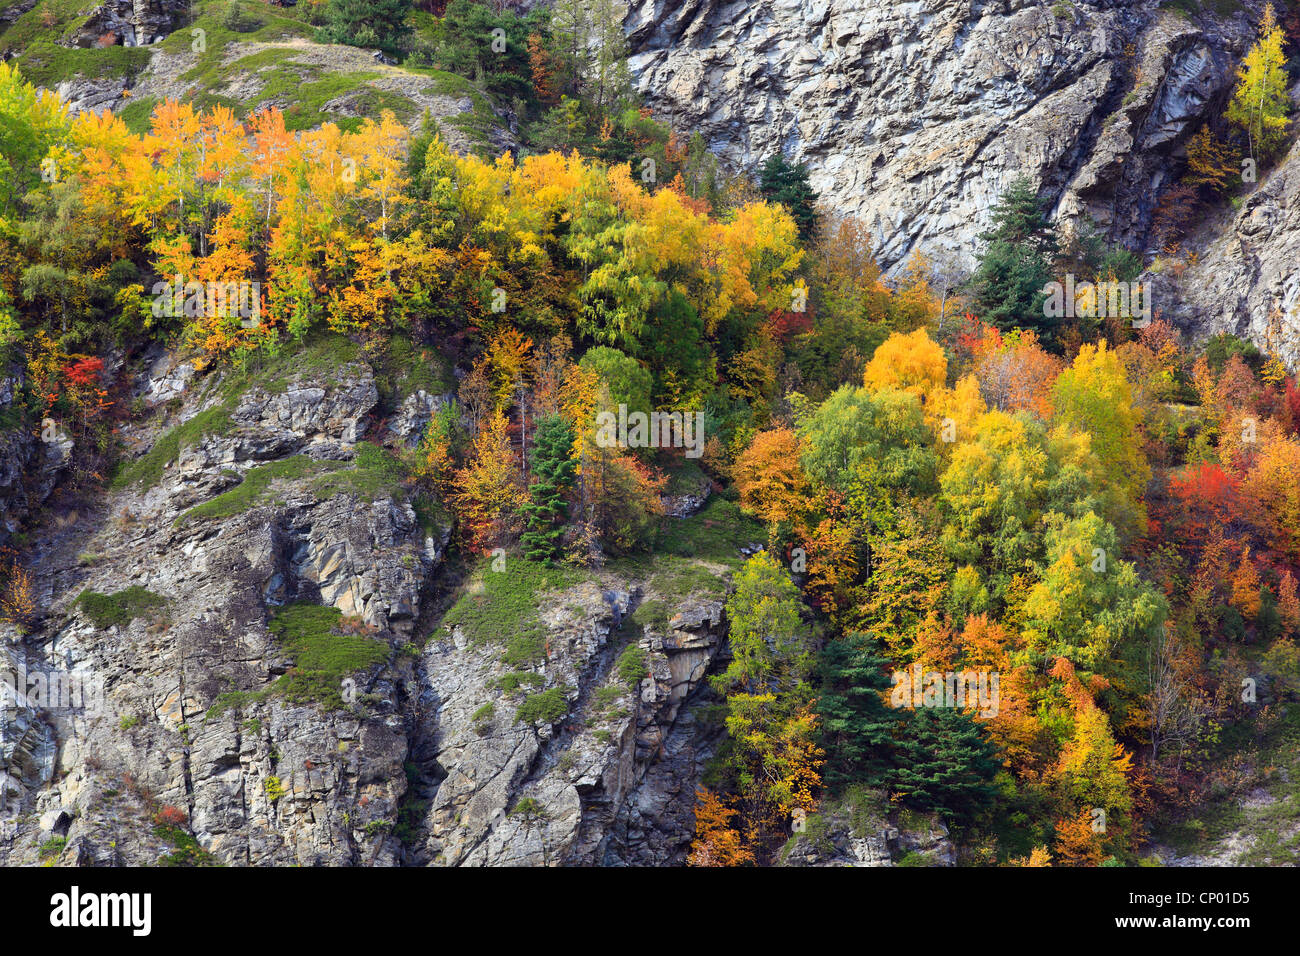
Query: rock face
[
  {"x": 130, "y": 22},
  {"x": 31, "y": 463},
  {"x": 180, "y": 742},
  {"x": 914, "y": 115},
  {"x": 609, "y": 780},
  {"x": 1246, "y": 276},
  {"x": 858, "y": 832}
]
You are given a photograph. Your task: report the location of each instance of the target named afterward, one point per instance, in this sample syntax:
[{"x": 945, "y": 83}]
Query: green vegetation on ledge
[{"x": 115, "y": 610}]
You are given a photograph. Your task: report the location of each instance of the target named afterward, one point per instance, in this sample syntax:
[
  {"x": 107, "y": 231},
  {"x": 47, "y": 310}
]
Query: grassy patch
[
  {"x": 320, "y": 355},
  {"x": 251, "y": 491},
  {"x": 109, "y": 610},
  {"x": 138, "y": 113},
  {"x": 53, "y": 848},
  {"x": 631, "y": 665},
  {"x": 147, "y": 470},
  {"x": 685, "y": 476},
  {"x": 512, "y": 682},
  {"x": 607, "y": 697},
  {"x": 237, "y": 699},
  {"x": 303, "y": 90},
  {"x": 270, "y": 372},
  {"x": 45, "y": 63},
  {"x": 187, "y": 851},
  {"x": 322, "y": 656},
  {"x": 374, "y": 474},
  {"x": 501, "y": 607},
  {"x": 406, "y": 368},
  {"x": 716, "y": 533},
  {"x": 675, "y": 576},
  {"x": 50, "y": 20}
]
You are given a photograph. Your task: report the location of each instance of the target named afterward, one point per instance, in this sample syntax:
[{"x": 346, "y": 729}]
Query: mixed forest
[{"x": 1099, "y": 511}]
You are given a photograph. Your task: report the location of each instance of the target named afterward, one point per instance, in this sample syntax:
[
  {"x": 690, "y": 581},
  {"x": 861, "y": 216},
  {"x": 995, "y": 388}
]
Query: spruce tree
[
  {"x": 379, "y": 24},
  {"x": 783, "y": 182},
  {"x": 1016, "y": 263},
  {"x": 553, "y": 471},
  {"x": 857, "y": 725},
  {"x": 945, "y": 764}
]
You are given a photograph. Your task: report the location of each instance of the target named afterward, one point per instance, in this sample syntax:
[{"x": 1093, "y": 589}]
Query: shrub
[
  {"x": 632, "y": 665},
  {"x": 546, "y": 707},
  {"x": 169, "y": 816},
  {"x": 274, "y": 788}
]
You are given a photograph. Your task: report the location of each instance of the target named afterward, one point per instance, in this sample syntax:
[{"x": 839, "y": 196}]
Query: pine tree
[
  {"x": 945, "y": 764},
  {"x": 783, "y": 182},
  {"x": 553, "y": 470},
  {"x": 1260, "y": 103},
  {"x": 1016, "y": 263},
  {"x": 857, "y": 726},
  {"x": 379, "y": 24}
]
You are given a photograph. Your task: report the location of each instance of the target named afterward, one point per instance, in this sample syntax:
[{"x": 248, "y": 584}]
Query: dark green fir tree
[
  {"x": 857, "y": 725},
  {"x": 946, "y": 764},
  {"x": 553, "y": 471},
  {"x": 374, "y": 24},
  {"x": 1016, "y": 263},
  {"x": 782, "y": 181}
]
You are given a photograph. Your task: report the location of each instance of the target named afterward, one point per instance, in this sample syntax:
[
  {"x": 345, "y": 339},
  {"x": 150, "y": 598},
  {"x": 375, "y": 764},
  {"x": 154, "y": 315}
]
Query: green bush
[
  {"x": 632, "y": 665},
  {"x": 546, "y": 707},
  {"x": 322, "y": 657},
  {"x": 482, "y": 718}
]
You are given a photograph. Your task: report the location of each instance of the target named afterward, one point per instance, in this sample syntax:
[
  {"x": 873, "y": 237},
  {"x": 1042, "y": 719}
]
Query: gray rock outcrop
[
  {"x": 184, "y": 744},
  {"x": 914, "y": 116}
]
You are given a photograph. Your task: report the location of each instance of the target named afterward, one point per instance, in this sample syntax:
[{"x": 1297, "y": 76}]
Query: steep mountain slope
[
  {"x": 915, "y": 116},
  {"x": 254, "y": 618},
  {"x": 1244, "y": 277}
]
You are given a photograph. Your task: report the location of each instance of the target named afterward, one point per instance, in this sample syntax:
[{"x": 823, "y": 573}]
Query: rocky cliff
[
  {"x": 1244, "y": 277},
  {"x": 914, "y": 116},
  {"x": 30, "y": 464},
  {"x": 250, "y": 626}
]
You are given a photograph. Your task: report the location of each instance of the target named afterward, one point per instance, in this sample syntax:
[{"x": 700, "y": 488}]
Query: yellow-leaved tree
[{"x": 1260, "y": 103}]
